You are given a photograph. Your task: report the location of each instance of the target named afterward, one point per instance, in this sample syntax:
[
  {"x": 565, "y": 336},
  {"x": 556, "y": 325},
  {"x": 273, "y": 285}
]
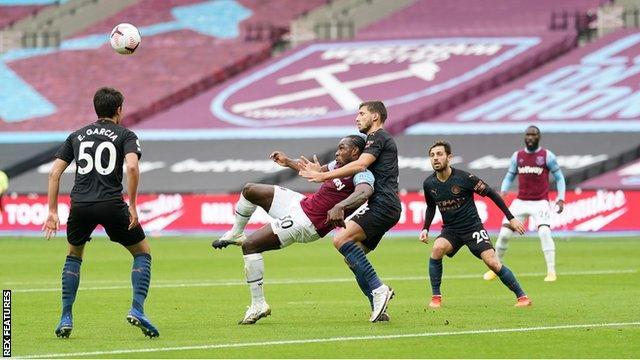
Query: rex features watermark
[{"x": 6, "y": 323}]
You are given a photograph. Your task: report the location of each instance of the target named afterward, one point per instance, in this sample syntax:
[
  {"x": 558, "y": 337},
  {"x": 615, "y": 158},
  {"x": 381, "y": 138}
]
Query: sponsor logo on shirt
[
  {"x": 448, "y": 205},
  {"x": 530, "y": 170}
]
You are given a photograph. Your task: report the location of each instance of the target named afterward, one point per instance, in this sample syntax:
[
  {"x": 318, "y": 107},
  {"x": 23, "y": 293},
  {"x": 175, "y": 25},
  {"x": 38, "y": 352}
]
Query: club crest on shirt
[
  {"x": 455, "y": 189},
  {"x": 369, "y": 143},
  {"x": 540, "y": 160}
]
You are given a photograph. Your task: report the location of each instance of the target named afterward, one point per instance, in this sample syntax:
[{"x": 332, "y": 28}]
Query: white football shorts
[
  {"x": 538, "y": 211},
  {"x": 290, "y": 223}
]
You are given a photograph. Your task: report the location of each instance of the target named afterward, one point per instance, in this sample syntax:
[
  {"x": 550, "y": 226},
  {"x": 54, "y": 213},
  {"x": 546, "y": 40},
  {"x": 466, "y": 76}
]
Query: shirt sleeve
[
  {"x": 65, "y": 152},
  {"x": 430, "y": 210},
  {"x": 476, "y": 185},
  {"x": 363, "y": 177},
  {"x": 554, "y": 168},
  {"x": 132, "y": 144},
  {"x": 511, "y": 173},
  {"x": 374, "y": 145}
]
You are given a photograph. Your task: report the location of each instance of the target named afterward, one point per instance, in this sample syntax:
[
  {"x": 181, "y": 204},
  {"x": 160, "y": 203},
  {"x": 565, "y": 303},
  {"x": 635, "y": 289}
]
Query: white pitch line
[
  {"x": 321, "y": 281},
  {"x": 332, "y": 339}
]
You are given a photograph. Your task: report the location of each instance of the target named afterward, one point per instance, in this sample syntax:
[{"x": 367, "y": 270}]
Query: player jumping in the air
[
  {"x": 365, "y": 230},
  {"x": 296, "y": 218},
  {"x": 532, "y": 165},
  {"x": 100, "y": 150},
  {"x": 452, "y": 191}
]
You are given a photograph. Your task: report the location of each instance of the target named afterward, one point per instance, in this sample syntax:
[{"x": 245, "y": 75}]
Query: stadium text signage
[{"x": 585, "y": 212}]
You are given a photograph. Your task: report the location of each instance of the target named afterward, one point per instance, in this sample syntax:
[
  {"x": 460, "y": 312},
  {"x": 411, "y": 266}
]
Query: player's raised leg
[
  {"x": 549, "y": 251},
  {"x": 346, "y": 243},
  {"x": 262, "y": 240},
  {"x": 441, "y": 247},
  {"x": 506, "y": 276},
  {"x": 252, "y": 195},
  {"x": 70, "y": 283},
  {"x": 140, "y": 281}
]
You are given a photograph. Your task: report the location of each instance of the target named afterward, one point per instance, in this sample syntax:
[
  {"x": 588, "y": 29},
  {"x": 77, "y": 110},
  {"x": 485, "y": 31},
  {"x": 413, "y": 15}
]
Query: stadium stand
[
  {"x": 474, "y": 17},
  {"x": 9, "y": 14},
  {"x": 65, "y": 19},
  {"x": 593, "y": 89},
  {"x": 207, "y": 122},
  {"x": 415, "y": 88},
  {"x": 208, "y": 36}
]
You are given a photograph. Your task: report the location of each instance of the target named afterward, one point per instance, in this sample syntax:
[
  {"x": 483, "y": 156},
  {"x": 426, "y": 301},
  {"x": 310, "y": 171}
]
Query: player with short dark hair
[
  {"x": 451, "y": 190},
  {"x": 100, "y": 150},
  {"x": 365, "y": 230},
  {"x": 532, "y": 165},
  {"x": 296, "y": 218}
]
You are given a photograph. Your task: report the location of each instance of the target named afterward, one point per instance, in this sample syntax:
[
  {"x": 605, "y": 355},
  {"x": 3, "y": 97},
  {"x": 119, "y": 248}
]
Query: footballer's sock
[
  {"x": 244, "y": 210},
  {"x": 435, "y": 274},
  {"x": 364, "y": 286},
  {"x": 507, "y": 278},
  {"x": 503, "y": 241},
  {"x": 358, "y": 261},
  {"x": 254, "y": 270},
  {"x": 548, "y": 248},
  {"x": 70, "y": 282},
  {"x": 140, "y": 280}
]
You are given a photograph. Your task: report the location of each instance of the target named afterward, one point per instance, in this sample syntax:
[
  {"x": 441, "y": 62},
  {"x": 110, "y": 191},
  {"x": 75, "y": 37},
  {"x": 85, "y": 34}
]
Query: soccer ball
[
  {"x": 125, "y": 38},
  {"x": 4, "y": 182}
]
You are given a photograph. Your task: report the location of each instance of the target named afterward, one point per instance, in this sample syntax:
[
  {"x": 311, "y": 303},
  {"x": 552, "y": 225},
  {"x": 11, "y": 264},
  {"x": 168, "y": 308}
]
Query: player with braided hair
[{"x": 296, "y": 218}]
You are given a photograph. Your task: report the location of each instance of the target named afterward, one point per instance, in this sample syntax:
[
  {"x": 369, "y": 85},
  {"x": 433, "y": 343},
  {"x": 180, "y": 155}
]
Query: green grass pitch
[{"x": 198, "y": 294}]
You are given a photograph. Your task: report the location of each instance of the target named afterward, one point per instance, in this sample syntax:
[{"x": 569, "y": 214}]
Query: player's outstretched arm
[
  {"x": 349, "y": 169},
  {"x": 52, "y": 224},
  {"x": 280, "y": 158},
  {"x": 362, "y": 192},
  {"x": 133, "y": 178}
]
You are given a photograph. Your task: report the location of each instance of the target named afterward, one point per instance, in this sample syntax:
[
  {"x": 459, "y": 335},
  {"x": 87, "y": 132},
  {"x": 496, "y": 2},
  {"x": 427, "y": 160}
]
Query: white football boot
[
  {"x": 381, "y": 297},
  {"x": 255, "y": 312},
  {"x": 229, "y": 238}
]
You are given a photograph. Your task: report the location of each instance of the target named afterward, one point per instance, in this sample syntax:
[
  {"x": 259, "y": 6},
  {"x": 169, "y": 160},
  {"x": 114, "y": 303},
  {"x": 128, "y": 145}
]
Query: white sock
[
  {"x": 244, "y": 210},
  {"x": 503, "y": 241},
  {"x": 548, "y": 247},
  {"x": 254, "y": 270}
]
